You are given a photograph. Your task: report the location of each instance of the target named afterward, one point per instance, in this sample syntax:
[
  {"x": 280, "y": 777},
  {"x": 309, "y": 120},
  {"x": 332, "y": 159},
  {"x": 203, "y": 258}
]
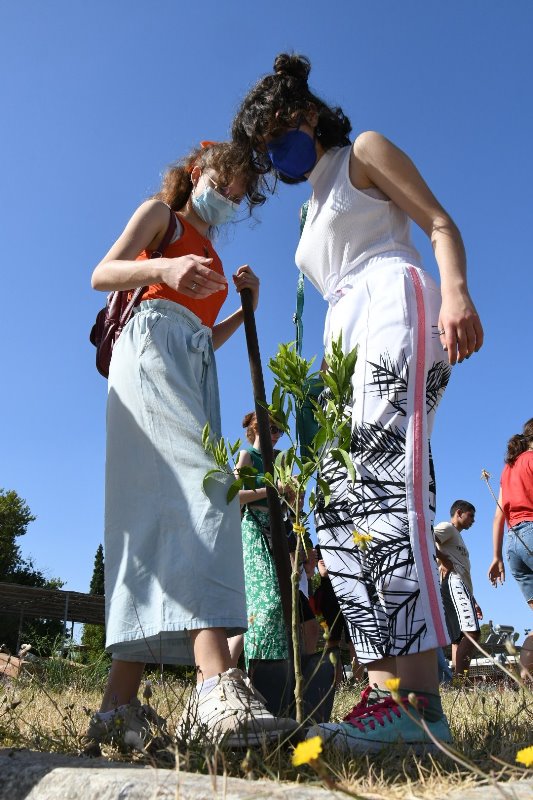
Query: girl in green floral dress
[{"x": 265, "y": 638}]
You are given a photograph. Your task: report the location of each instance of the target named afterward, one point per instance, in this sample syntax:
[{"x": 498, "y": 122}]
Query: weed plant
[{"x": 47, "y": 709}]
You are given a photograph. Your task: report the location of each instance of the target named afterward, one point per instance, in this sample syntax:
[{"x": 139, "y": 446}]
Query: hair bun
[{"x": 293, "y": 65}]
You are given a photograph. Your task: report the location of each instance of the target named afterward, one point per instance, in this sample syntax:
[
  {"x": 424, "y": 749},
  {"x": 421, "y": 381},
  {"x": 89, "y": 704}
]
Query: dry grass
[{"x": 490, "y": 723}]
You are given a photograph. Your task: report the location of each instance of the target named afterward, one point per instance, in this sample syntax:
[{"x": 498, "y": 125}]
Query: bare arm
[
  {"x": 377, "y": 162},
  {"x": 497, "y": 567},
  {"x": 446, "y": 564},
  {"x": 244, "y": 278},
  {"x": 119, "y": 270}
]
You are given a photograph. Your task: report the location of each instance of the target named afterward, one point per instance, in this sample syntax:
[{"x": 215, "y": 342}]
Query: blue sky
[{"x": 97, "y": 98}]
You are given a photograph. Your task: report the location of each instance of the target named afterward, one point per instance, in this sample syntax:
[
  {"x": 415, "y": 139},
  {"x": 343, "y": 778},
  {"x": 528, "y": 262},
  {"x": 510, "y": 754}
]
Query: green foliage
[
  {"x": 293, "y": 382},
  {"x": 15, "y": 516},
  {"x": 93, "y": 642},
  {"x": 97, "y": 585},
  {"x": 484, "y": 631},
  {"x": 93, "y": 636}
]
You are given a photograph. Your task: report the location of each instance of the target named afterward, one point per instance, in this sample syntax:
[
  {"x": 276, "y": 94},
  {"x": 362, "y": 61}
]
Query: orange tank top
[{"x": 191, "y": 242}]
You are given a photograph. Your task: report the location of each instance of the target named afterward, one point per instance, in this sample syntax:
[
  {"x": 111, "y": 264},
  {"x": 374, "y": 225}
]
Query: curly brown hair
[
  {"x": 519, "y": 443},
  {"x": 227, "y": 159},
  {"x": 271, "y": 104},
  {"x": 250, "y": 423}
]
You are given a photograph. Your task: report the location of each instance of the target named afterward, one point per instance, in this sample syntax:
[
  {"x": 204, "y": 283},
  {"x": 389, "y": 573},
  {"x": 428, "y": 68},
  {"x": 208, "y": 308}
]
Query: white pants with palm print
[{"x": 388, "y": 588}]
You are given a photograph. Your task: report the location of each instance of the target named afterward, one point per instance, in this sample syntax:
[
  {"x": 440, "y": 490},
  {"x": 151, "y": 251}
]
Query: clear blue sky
[{"x": 97, "y": 98}]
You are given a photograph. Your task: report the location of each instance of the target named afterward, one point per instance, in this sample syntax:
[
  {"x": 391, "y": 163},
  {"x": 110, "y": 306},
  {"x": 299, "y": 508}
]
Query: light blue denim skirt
[{"x": 173, "y": 553}]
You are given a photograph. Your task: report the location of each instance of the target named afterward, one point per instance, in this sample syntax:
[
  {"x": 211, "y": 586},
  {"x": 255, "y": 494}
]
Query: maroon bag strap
[{"x": 138, "y": 293}]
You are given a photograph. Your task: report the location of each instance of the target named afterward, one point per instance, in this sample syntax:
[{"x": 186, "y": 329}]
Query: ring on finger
[
  {"x": 441, "y": 332},
  {"x": 194, "y": 286}
]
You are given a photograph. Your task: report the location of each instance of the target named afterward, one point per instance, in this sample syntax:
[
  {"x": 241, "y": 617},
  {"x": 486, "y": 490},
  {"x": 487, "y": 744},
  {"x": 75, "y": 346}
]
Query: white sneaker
[
  {"x": 131, "y": 724},
  {"x": 233, "y": 713}
]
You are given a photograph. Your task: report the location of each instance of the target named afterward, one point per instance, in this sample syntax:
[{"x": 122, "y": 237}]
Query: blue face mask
[
  {"x": 213, "y": 208},
  {"x": 293, "y": 154}
]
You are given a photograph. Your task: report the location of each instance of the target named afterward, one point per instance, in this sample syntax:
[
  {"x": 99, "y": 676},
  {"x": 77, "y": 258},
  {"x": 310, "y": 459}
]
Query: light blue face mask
[{"x": 213, "y": 208}]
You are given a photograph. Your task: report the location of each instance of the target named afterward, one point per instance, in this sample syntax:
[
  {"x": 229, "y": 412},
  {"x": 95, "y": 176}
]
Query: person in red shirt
[{"x": 515, "y": 509}]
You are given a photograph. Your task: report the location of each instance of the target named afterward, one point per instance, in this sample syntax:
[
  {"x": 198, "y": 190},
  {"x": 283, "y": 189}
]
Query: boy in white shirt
[{"x": 460, "y": 607}]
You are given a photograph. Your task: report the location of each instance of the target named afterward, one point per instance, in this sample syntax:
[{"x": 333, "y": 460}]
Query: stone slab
[{"x": 28, "y": 775}]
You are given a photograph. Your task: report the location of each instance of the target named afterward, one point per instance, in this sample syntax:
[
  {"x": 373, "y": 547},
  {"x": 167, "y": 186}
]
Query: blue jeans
[
  {"x": 445, "y": 673},
  {"x": 520, "y": 557}
]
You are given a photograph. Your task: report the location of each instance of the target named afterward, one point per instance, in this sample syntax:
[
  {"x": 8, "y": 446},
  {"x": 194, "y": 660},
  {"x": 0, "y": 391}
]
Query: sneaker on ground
[
  {"x": 233, "y": 713},
  {"x": 369, "y": 696},
  {"x": 130, "y": 724},
  {"x": 382, "y": 724}
]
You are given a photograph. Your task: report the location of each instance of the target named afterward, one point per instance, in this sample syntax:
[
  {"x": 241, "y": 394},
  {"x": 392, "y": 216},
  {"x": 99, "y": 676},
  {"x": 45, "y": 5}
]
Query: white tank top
[{"x": 346, "y": 226}]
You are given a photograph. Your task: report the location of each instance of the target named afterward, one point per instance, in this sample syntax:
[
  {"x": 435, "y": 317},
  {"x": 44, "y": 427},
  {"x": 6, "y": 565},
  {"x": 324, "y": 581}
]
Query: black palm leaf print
[
  {"x": 381, "y": 448},
  {"x": 436, "y": 382},
  {"x": 389, "y": 379}
]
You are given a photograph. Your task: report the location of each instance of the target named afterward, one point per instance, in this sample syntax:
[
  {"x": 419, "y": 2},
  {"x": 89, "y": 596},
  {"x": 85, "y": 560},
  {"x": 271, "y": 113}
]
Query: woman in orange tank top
[{"x": 174, "y": 571}]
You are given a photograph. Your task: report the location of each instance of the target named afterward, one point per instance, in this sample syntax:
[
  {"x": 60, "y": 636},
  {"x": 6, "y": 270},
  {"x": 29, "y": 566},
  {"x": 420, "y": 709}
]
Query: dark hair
[
  {"x": 228, "y": 159},
  {"x": 519, "y": 443},
  {"x": 462, "y": 505},
  {"x": 272, "y": 102}
]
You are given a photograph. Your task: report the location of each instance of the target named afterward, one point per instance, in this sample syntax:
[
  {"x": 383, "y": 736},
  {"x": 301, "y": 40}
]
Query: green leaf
[
  {"x": 233, "y": 490},
  {"x": 209, "y": 477},
  {"x": 343, "y": 458},
  {"x": 324, "y": 488},
  {"x": 235, "y": 447}
]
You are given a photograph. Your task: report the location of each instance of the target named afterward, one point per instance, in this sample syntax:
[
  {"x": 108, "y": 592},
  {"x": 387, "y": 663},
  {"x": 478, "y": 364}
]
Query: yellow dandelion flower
[
  {"x": 524, "y": 756},
  {"x": 324, "y": 625},
  {"x": 306, "y": 752},
  {"x": 361, "y": 540},
  {"x": 299, "y": 529},
  {"x": 392, "y": 684}
]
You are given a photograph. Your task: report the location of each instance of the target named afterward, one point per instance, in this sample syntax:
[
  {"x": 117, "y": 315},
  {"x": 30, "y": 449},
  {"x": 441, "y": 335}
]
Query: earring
[{"x": 318, "y": 132}]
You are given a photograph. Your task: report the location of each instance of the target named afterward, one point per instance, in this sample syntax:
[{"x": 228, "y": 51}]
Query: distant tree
[
  {"x": 484, "y": 631},
  {"x": 93, "y": 637},
  {"x": 15, "y": 516},
  {"x": 97, "y": 585}
]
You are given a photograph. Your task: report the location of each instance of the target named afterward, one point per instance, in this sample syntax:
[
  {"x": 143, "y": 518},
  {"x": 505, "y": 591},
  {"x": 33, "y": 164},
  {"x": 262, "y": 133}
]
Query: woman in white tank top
[{"x": 357, "y": 251}]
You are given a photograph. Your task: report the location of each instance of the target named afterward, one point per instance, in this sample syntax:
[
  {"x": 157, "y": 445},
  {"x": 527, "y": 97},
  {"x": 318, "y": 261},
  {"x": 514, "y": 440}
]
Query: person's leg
[
  {"x": 211, "y": 652},
  {"x": 310, "y": 636},
  {"x": 462, "y": 621},
  {"x": 417, "y": 672},
  {"x": 445, "y": 673},
  {"x": 463, "y": 653},
  {"x": 236, "y": 645},
  {"x": 399, "y": 379},
  {"x": 526, "y": 655},
  {"x": 122, "y": 685},
  {"x": 235, "y": 713},
  {"x": 520, "y": 557},
  {"x": 310, "y": 629}
]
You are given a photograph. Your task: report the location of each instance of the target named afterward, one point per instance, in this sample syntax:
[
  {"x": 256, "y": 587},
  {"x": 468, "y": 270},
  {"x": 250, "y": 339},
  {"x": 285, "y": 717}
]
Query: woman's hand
[
  {"x": 460, "y": 329},
  {"x": 496, "y": 572},
  {"x": 245, "y": 278},
  {"x": 192, "y": 276}
]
